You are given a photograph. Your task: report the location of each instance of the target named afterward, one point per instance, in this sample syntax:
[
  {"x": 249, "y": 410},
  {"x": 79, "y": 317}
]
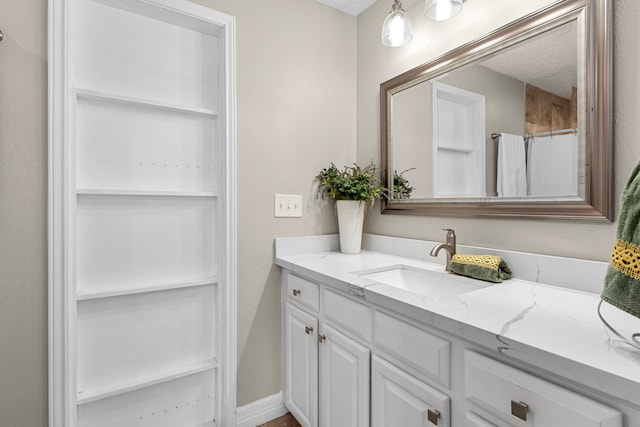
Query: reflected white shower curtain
[
  {"x": 552, "y": 165},
  {"x": 512, "y": 175}
]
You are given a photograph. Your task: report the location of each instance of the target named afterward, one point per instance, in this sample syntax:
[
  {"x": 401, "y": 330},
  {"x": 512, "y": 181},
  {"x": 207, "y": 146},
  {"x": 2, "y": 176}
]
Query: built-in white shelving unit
[
  {"x": 458, "y": 156},
  {"x": 142, "y": 214}
]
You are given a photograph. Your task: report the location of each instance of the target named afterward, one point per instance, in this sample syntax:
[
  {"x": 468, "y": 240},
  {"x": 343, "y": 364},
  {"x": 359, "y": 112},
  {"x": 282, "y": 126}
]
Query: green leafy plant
[
  {"x": 401, "y": 187},
  {"x": 350, "y": 183}
]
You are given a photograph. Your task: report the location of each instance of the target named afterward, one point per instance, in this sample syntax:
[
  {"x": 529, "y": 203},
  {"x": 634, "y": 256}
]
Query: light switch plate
[{"x": 287, "y": 206}]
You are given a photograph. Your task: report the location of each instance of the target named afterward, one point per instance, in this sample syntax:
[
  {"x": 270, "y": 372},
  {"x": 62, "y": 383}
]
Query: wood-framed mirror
[{"x": 517, "y": 123}]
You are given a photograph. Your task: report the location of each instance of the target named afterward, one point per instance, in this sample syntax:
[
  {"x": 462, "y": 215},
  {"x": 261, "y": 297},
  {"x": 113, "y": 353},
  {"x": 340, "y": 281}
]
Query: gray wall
[
  {"x": 23, "y": 213},
  {"x": 377, "y": 64}
]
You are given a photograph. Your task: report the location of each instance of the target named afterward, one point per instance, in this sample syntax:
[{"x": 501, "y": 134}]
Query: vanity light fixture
[
  {"x": 396, "y": 28},
  {"x": 441, "y": 10}
]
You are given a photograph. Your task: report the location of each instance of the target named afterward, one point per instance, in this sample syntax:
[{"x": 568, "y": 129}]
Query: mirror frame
[{"x": 597, "y": 116}]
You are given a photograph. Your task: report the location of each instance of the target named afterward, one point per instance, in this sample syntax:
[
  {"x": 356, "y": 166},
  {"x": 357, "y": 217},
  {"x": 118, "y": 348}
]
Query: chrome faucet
[{"x": 449, "y": 246}]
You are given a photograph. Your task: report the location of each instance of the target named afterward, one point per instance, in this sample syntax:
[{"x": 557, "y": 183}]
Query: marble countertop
[{"x": 554, "y": 328}]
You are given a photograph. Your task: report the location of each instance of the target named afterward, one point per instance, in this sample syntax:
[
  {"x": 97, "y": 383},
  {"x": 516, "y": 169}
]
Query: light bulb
[
  {"x": 396, "y": 28},
  {"x": 440, "y": 10}
]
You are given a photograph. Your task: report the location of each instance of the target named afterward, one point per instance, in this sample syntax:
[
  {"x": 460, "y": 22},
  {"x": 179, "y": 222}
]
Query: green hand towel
[
  {"x": 484, "y": 267},
  {"x": 622, "y": 283}
]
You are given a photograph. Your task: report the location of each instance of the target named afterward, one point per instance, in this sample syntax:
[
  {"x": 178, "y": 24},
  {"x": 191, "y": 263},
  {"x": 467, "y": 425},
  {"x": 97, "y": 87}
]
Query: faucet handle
[
  {"x": 450, "y": 231},
  {"x": 451, "y": 239}
]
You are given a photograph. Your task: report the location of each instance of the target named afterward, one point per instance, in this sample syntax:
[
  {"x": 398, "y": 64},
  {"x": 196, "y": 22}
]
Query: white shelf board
[
  {"x": 455, "y": 149},
  {"x": 140, "y": 102},
  {"x": 209, "y": 424},
  {"x": 85, "y": 296},
  {"x": 89, "y": 396},
  {"x": 107, "y": 192}
]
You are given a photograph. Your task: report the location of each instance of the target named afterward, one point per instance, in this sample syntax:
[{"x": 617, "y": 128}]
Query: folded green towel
[
  {"x": 484, "y": 267},
  {"x": 622, "y": 283}
]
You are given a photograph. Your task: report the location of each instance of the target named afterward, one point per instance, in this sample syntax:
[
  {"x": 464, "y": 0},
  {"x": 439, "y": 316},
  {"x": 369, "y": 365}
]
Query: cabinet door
[
  {"x": 344, "y": 380},
  {"x": 301, "y": 365},
  {"x": 397, "y": 399}
]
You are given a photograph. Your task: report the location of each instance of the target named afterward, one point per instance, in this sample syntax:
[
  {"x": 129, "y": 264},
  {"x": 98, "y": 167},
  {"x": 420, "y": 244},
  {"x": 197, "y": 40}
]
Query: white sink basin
[{"x": 435, "y": 284}]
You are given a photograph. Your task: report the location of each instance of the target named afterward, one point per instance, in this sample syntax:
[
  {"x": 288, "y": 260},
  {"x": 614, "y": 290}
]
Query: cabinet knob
[
  {"x": 321, "y": 338},
  {"x": 308, "y": 329},
  {"x": 519, "y": 410},
  {"x": 296, "y": 292},
  {"x": 433, "y": 415}
]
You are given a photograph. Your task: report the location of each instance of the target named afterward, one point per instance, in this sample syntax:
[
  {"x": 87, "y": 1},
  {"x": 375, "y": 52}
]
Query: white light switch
[{"x": 287, "y": 205}]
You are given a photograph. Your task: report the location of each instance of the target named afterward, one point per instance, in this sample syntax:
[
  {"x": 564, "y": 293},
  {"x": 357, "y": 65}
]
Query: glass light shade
[
  {"x": 396, "y": 28},
  {"x": 441, "y": 10}
]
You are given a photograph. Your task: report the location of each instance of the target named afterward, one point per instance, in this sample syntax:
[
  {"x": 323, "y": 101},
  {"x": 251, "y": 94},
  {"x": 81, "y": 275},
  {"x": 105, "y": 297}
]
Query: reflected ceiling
[{"x": 556, "y": 74}]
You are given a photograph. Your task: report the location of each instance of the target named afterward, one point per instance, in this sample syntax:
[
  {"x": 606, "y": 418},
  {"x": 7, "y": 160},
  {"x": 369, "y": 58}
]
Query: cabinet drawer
[
  {"x": 525, "y": 400},
  {"x": 475, "y": 421},
  {"x": 347, "y": 313},
  {"x": 303, "y": 291},
  {"x": 413, "y": 346}
]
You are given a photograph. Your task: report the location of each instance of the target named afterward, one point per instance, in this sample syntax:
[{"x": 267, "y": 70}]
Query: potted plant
[{"x": 352, "y": 188}]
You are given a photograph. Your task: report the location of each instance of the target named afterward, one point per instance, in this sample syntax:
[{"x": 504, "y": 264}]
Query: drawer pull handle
[
  {"x": 308, "y": 329},
  {"x": 296, "y": 292},
  {"x": 433, "y": 415},
  {"x": 519, "y": 409},
  {"x": 321, "y": 338}
]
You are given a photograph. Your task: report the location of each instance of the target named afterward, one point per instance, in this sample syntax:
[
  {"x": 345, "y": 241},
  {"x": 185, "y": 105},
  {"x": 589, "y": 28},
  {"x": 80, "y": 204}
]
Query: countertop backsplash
[{"x": 571, "y": 273}]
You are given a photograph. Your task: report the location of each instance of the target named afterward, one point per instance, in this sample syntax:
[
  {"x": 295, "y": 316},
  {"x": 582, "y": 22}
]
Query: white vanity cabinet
[
  {"x": 330, "y": 376},
  {"x": 326, "y": 372},
  {"x": 349, "y": 362}
]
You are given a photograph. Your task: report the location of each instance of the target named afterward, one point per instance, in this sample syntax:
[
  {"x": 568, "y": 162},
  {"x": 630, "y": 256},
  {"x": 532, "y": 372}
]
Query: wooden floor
[{"x": 283, "y": 421}]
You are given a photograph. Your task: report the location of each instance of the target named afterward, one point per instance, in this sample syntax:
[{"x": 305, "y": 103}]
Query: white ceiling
[{"x": 352, "y": 7}]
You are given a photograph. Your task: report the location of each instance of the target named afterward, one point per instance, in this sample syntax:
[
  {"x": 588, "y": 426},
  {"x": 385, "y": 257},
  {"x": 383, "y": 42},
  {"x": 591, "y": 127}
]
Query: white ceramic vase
[{"x": 350, "y": 219}]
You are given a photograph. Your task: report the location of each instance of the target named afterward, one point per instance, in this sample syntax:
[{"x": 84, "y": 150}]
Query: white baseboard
[{"x": 261, "y": 411}]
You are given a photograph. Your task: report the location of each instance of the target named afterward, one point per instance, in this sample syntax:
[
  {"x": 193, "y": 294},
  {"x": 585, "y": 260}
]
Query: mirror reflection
[{"x": 508, "y": 125}]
